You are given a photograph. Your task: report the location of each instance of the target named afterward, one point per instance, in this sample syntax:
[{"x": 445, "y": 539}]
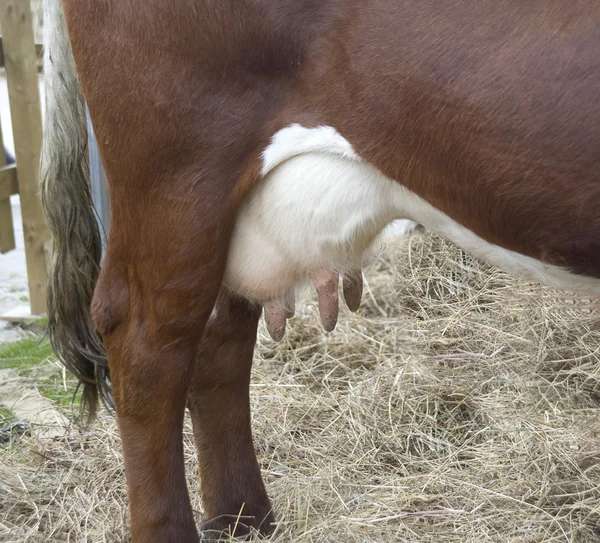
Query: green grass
[
  {"x": 42, "y": 322},
  {"x": 6, "y": 415},
  {"x": 25, "y": 353},
  {"x": 32, "y": 358},
  {"x": 59, "y": 386}
]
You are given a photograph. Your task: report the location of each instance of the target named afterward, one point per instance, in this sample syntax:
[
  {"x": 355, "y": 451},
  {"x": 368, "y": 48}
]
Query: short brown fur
[{"x": 488, "y": 110}]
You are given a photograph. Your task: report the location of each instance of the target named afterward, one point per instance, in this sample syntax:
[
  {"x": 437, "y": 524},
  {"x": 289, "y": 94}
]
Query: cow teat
[{"x": 279, "y": 310}]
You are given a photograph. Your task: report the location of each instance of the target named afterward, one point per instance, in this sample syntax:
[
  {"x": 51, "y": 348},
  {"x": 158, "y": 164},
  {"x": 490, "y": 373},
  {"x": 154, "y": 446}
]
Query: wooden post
[
  {"x": 7, "y": 230},
  {"x": 21, "y": 74}
]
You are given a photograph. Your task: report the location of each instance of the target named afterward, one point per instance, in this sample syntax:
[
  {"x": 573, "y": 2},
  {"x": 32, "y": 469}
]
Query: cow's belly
[
  {"x": 319, "y": 208},
  {"x": 313, "y": 213}
]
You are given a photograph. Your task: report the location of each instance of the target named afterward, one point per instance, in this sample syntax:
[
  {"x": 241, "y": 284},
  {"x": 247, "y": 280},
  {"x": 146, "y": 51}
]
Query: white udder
[
  {"x": 313, "y": 212},
  {"x": 319, "y": 207}
]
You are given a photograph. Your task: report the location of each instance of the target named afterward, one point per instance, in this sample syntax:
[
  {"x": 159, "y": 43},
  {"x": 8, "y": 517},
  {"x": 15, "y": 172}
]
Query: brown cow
[{"x": 251, "y": 145}]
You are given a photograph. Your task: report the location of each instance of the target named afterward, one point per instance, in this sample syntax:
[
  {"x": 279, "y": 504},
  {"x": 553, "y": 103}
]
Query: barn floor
[{"x": 458, "y": 405}]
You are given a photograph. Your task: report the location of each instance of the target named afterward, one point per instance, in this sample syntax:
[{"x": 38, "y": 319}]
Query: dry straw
[{"x": 458, "y": 405}]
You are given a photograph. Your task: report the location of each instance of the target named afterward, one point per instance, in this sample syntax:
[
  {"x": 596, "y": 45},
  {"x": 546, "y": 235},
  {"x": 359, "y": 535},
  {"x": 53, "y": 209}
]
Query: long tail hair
[{"x": 67, "y": 203}]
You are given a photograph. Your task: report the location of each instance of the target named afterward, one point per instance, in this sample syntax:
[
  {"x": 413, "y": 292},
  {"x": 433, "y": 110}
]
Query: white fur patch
[
  {"x": 296, "y": 140},
  {"x": 319, "y": 206}
]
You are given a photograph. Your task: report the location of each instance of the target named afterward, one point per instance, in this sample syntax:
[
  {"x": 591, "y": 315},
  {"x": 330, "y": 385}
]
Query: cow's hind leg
[
  {"x": 156, "y": 290},
  {"x": 233, "y": 492}
]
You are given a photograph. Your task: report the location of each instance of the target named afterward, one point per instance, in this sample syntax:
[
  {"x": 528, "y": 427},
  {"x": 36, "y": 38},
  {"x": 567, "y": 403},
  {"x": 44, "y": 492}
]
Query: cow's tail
[{"x": 67, "y": 203}]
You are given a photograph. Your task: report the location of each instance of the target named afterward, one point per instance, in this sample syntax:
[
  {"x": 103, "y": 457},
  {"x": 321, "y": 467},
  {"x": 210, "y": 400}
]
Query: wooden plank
[
  {"x": 39, "y": 51},
  {"x": 9, "y": 184},
  {"x": 7, "y": 229},
  {"x": 20, "y": 315},
  {"x": 8, "y": 187},
  {"x": 22, "y": 79}
]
